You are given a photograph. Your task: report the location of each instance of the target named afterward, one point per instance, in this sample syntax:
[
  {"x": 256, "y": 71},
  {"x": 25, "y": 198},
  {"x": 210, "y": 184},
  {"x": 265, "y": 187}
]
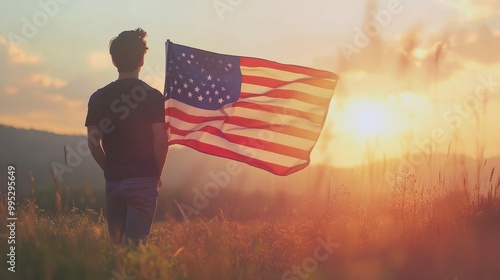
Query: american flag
[{"x": 266, "y": 114}]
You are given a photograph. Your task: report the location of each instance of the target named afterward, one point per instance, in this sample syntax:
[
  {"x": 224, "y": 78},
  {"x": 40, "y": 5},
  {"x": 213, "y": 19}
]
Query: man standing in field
[{"x": 127, "y": 137}]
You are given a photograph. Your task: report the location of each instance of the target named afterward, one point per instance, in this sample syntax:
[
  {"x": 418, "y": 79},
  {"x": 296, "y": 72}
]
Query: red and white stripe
[{"x": 274, "y": 125}]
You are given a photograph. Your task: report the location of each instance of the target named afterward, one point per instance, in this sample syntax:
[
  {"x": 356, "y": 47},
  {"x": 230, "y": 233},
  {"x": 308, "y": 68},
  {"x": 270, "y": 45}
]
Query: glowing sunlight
[{"x": 365, "y": 119}]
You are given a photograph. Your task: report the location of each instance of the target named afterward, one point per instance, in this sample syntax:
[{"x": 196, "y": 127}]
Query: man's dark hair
[{"x": 128, "y": 49}]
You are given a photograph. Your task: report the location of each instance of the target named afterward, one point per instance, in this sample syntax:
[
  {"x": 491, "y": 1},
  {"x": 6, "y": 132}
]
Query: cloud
[
  {"x": 17, "y": 54},
  {"x": 60, "y": 99},
  {"x": 44, "y": 110},
  {"x": 475, "y": 9},
  {"x": 414, "y": 61},
  {"x": 34, "y": 96},
  {"x": 479, "y": 44},
  {"x": 46, "y": 119},
  {"x": 419, "y": 60},
  {"x": 47, "y": 81},
  {"x": 10, "y": 90}
]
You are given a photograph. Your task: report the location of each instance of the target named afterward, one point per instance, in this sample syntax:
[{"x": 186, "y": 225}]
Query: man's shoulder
[
  {"x": 150, "y": 88},
  {"x": 151, "y": 91},
  {"x": 120, "y": 87},
  {"x": 98, "y": 93}
]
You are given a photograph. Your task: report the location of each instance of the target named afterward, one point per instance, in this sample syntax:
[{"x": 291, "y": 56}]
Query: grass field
[{"x": 415, "y": 232}]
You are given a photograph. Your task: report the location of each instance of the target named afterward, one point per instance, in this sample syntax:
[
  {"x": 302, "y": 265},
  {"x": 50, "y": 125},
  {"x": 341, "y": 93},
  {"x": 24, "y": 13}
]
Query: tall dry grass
[{"x": 442, "y": 231}]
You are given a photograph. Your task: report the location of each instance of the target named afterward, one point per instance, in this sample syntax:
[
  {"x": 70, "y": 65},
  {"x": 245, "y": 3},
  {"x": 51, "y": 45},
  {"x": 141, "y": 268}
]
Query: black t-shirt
[{"x": 124, "y": 111}]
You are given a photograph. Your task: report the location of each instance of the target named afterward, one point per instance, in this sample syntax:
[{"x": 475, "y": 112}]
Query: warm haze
[
  {"x": 404, "y": 181},
  {"x": 411, "y": 72}
]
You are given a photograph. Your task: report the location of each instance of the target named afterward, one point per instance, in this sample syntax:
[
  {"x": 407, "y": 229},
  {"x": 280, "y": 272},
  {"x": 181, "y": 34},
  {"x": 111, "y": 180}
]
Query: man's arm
[
  {"x": 160, "y": 144},
  {"x": 94, "y": 142}
]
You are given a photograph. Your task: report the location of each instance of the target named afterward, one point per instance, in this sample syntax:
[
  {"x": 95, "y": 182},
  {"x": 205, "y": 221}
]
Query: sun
[
  {"x": 368, "y": 119},
  {"x": 376, "y": 125},
  {"x": 365, "y": 119}
]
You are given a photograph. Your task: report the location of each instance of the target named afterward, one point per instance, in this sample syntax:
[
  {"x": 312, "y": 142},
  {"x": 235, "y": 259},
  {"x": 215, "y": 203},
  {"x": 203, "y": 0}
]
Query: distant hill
[{"x": 35, "y": 151}]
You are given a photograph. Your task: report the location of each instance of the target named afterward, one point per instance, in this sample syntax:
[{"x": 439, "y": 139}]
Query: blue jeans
[{"x": 130, "y": 209}]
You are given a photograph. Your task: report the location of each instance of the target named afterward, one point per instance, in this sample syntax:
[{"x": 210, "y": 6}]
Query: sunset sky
[{"x": 427, "y": 70}]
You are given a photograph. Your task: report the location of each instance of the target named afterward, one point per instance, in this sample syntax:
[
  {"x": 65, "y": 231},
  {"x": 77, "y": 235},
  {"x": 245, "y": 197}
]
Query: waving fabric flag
[{"x": 266, "y": 114}]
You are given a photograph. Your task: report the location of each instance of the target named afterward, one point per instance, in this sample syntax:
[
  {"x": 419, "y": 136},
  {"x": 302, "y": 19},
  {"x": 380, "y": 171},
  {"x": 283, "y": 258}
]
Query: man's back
[{"x": 124, "y": 110}]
